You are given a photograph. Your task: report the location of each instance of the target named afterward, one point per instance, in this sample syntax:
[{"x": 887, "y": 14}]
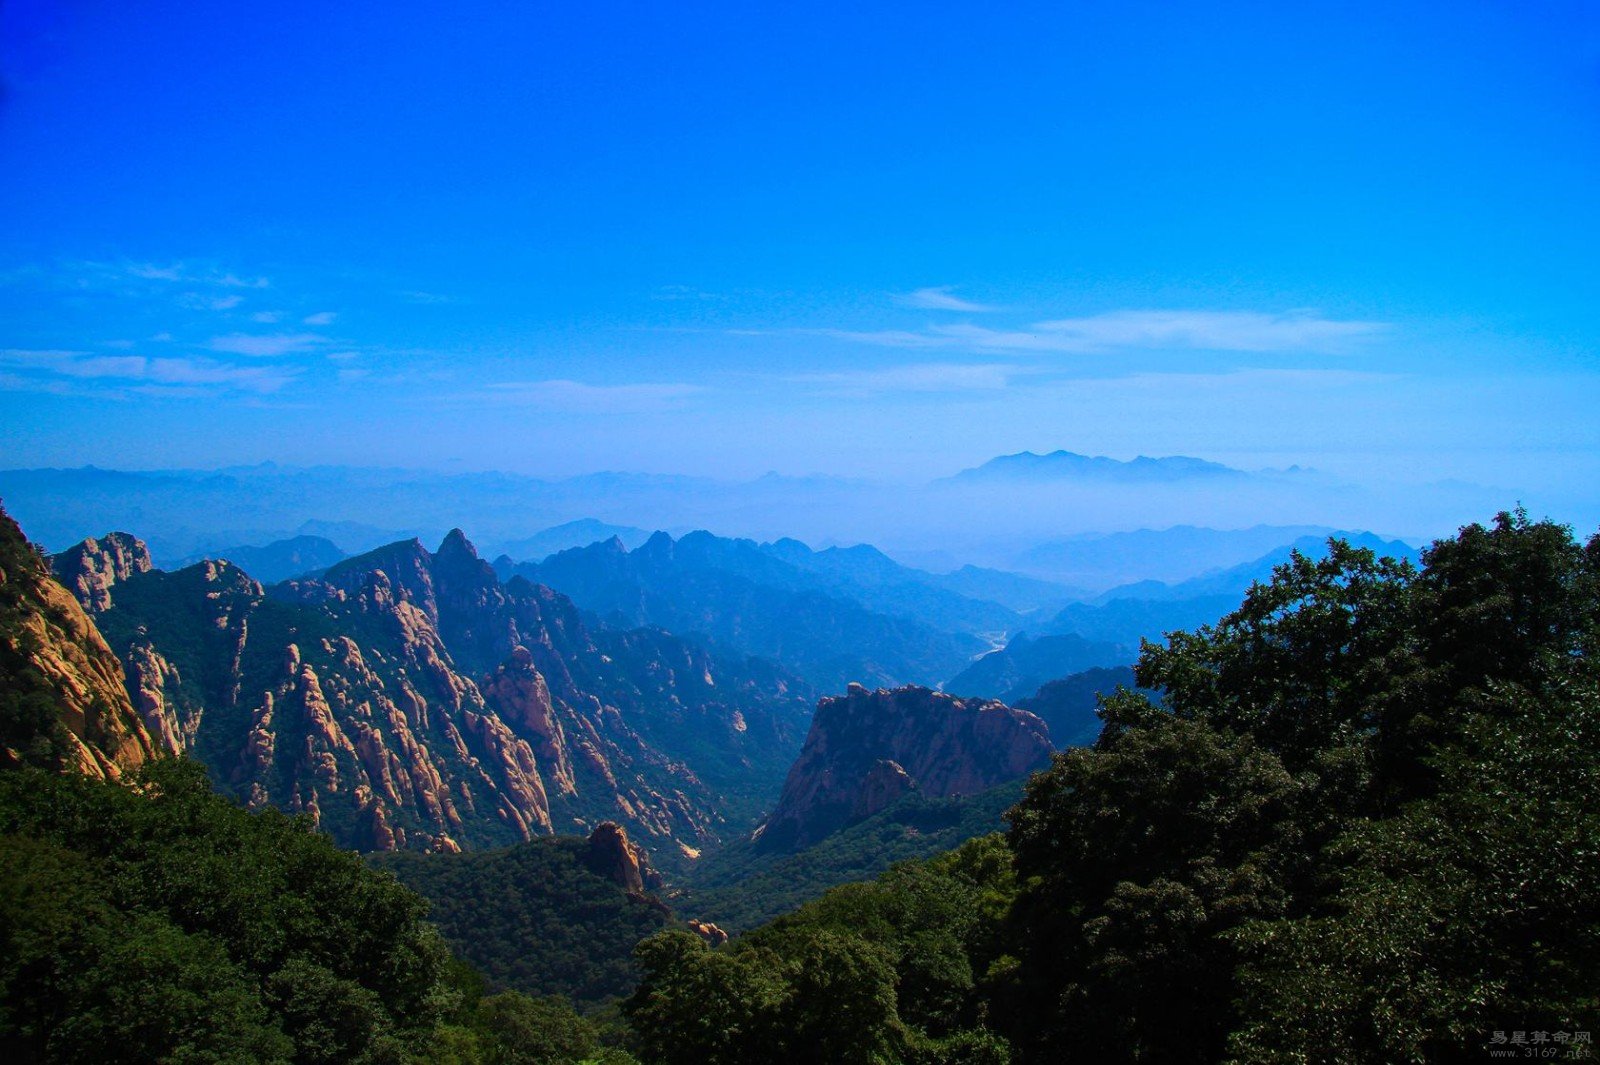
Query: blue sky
[{"x": 890, "y": 242}]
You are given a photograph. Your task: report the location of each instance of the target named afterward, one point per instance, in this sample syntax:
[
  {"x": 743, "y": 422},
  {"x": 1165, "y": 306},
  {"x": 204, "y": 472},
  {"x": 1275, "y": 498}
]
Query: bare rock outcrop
[
  {"x": 51, "y": 651},
  {"x": 90, "y": 570},
  {"x": 708, "y": 932},
  {"x": 868, "y": 748},
  {"x": 612, "y": 855}
]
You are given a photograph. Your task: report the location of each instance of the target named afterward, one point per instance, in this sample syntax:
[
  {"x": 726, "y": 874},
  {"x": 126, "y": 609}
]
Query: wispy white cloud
[
  {"x": 320, "y": 318},
  {"x": 201, "y": 302},
  {"x": 941, "y": 298},
  {"x": 1293, "y": 332},
  {"x": 925, "y": 377},
  {"x": 186, "y": 273},
  {"x": 176, "y": 272},
  {"x": 576, "y": 397},
  {"x": 266, "y": 346},
  {"x": 47, "y": 369},
  {"x": 685, "y": 292}
]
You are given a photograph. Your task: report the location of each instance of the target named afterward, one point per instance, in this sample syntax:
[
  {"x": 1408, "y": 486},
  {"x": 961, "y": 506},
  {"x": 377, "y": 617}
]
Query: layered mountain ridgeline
[
  {"x": 549, "y": 917},
  {"x": 821, "y": 614},
  {"x": 1070, "y": 706},
  {"x": 563, "y": 537},
  {"x": 409, "y": 699},
  {"x": 1359, "y": 829},
  {"x": 1016, "y": 670},
  {"x": 867, "y": 749},
  {"x": 1177, "y": 553},
  {"x": 277, "y": 561},
  {"x": 1150, "y": 609},
  {"x": 62, "y": 700}
]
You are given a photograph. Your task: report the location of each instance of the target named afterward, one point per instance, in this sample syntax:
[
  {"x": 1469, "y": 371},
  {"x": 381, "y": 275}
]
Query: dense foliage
[
  {"x": 1358, "y": 827},
  {"x": 534, "y": 918},
  {"x": 881, "y": 971},
  {"x": 159, "y": 922},
  {"x": 742, "y": 885}
]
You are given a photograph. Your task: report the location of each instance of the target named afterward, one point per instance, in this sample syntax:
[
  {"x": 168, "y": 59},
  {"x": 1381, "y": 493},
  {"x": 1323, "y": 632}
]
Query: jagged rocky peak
[
  {"x": 868, "y": 748},
  {"x": 89, "y": 570},
  {"x": 618, "y": 859}
]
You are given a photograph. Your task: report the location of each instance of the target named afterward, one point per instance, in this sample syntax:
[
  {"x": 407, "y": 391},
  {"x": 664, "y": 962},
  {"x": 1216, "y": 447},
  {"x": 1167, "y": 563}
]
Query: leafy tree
[
  {"x": 160, "y": 922},
  {"x": 1352, "y": 831}
]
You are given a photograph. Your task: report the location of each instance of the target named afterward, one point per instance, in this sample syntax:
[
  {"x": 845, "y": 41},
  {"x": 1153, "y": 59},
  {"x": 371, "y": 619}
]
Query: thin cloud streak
[
  {"x": 266, "y": 346},
  {"x": 47, "y": 370},
  {"x": 1242, "y": 331},
  {"x": 940, "y": 298}
]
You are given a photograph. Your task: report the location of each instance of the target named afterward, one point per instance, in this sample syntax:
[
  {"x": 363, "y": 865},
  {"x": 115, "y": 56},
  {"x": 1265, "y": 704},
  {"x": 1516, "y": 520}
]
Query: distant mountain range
[
  {"x": 279, "y": 560},
  {"x": 991, "y": 516},
  {"x": 1105, "y": 560},
  {"x": 1070, "y": 466},
  {"x": 568, "y": 535},
  {"x": 1018, "y": 669},
  {"x": 1149, "y": 609},
  {"x": 833, "y": 616}
]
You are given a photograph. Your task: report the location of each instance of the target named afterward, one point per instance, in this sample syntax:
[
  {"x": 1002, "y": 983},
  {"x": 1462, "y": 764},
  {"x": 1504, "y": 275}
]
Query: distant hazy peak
[{"x": 1028, "y": 464}]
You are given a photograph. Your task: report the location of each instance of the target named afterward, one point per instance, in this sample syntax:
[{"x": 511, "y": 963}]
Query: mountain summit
[{"x": 1026, "y": 466}]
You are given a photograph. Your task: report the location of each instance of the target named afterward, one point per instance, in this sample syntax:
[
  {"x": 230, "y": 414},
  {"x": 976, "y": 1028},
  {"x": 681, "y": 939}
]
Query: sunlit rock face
[
  {"x": 407, "y": 699},
  {"x": 51, "y": 649},
  {"x": 91, "y": 569},
  {"x": 868, "y": 748}
]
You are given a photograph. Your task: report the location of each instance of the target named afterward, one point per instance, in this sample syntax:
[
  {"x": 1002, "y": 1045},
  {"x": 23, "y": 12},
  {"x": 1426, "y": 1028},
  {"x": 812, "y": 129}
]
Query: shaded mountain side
[
  {"x": 767, "y": 608},
  {"x": 865, "y": 575},
  {"x": 1172, "y": 554},
  {"x": 1150, "y": 609},
  {"x": 1020, "y": 593},
  {"x": 62, "y": 701},
  {"x": 1071, "y": 705},
  {"x": 409, "y": 700},
  {"x": 743, "y": 885},
  {"x": 1127, "y": 621},
  {"x": 580, "y": 533},
  {"x": 1018, "y": 669},
  {"x": 279, "y": 560},
  {"x": 536, "y": 917},
  {"x": 866, "y": 749}
]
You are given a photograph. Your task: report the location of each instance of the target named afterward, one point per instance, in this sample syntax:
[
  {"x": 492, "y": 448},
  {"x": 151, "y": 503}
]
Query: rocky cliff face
[
  {"x": 62, "y": 700},
  {"x": 409, "y": 700},
  {"x": 89, "y": 570},
  {"x": 867, "y": 748}
]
